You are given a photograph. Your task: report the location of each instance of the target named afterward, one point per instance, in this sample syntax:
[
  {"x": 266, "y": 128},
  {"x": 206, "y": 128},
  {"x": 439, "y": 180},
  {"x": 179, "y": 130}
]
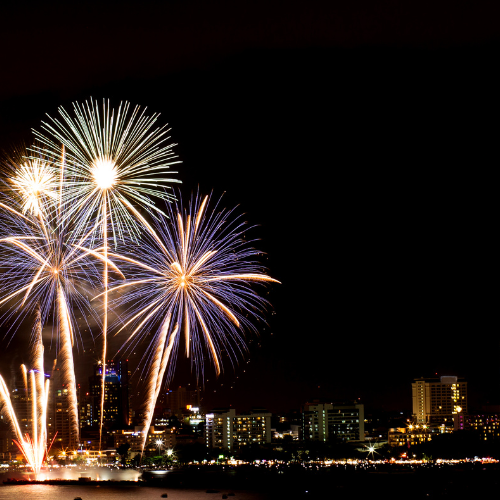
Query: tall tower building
[
  {"x": 437, "y": 400},
  {"x": 85, "y": 408},
  {"x": 58, "y": 422},
  {"x": 6, "y": 445},
  {"x": 21, "y": 402},
  {"x": 116, "y": 400}
]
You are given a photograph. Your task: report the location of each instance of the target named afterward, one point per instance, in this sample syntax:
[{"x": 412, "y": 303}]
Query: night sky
[{"x": 360, "y": 140}]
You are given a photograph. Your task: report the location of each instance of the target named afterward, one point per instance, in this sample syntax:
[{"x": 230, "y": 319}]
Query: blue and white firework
[
  {"x": 46, "y": 269},
  {"x": 193, "y": 279}
]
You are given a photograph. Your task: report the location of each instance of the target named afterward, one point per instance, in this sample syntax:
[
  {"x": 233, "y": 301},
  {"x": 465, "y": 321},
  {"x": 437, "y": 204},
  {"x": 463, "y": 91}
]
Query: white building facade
[{"x": 226, "y": 430}]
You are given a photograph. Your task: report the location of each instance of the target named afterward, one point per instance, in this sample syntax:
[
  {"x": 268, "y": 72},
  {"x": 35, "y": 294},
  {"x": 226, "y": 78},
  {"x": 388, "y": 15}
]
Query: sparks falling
[{"x": 193, "y": 277}]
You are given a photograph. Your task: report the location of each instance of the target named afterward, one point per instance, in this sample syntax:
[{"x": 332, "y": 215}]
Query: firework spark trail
[
  {"x": 34, "y": 411},
  {"x": 105, "y": 320},
  {"x": 164, "y": 361},
  {"x": 110, "y": 159},
  {"x": 34, "y": 448},
  {"x": 41, "y": 386},
  {"x": 66, "y": 359},
  {"x": 152, "y": 380},
  {"x": 25, "y": 377},
  {"x": 157, "y": 381},
  {"x": 156, "y": 374},
  {"x": 37, "y": 361},
  {"x": 198, "y": 278}
]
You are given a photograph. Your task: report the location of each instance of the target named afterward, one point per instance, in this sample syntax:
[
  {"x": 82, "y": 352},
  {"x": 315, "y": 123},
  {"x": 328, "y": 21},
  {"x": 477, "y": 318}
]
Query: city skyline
[{"x": 439, "y": 407}]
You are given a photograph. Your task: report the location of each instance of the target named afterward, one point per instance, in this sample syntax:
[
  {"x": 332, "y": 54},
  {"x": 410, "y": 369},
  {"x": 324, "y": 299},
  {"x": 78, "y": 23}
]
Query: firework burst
[
  {"x": 114, "y": 159},
  {"x": 30, "y": 182},
  {"x": 45, "y": 270},
  {"x": 34, "y": 181},
  {"x": 195, "y": 279}
]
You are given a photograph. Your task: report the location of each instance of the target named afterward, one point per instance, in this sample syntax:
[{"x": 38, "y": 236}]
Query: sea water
[
  {"x": 48, "y": 492},
  {"x": 135, "y": 490}
]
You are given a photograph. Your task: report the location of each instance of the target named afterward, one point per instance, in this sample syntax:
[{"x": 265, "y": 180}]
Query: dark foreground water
[
  {"x": 45, "y": 492},
  {"x": 249, "y": 483}
]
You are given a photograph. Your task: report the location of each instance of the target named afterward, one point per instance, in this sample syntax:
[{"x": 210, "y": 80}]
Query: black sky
[{"x": 362, "y": 139}]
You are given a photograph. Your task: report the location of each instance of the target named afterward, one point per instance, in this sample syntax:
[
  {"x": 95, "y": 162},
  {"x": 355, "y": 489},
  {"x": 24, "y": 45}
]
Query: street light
[{"x": 159, "y": 444}]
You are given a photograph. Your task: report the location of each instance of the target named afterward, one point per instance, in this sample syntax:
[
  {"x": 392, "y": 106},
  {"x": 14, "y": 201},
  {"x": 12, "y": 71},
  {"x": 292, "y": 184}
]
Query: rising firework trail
[
  {"x": 115, "y": 160},
  {"x": 34, "y": 447},
  {"x": 197, "y": 276},
  {"x": 46, "y": 271}
]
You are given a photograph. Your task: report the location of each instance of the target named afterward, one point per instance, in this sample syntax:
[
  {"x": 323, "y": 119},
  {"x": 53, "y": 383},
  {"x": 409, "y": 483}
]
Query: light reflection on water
[
  {"x": 47, "y": 492},
  {"x": 101, "y": 492},
  {"x": 96, "y": 473}
]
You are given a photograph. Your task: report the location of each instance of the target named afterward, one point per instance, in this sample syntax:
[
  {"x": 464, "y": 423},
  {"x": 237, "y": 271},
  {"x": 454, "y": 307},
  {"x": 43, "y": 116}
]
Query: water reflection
[{"x": 75, "y": 473}]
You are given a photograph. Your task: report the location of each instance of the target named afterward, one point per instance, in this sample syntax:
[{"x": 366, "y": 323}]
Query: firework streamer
[
  {"x": 37, "y": 361},
  {"x": 24, "y": 371},
  {"x": 66, "y": 359}
]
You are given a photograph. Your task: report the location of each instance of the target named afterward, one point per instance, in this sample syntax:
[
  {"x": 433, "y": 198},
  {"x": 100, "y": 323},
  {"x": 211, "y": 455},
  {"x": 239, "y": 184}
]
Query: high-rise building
[
  {"x": 6, "y": 444},
  {"x": 58, "y": 422},
  {"x": 437, "y": 400},
  {"x": 327, "y": 421},
  {"x": 85, "y": 408},
  {"x": 224, "y": 429},
  {"x": 21, "y": 402},
  {"x": 116, "y": 399}
]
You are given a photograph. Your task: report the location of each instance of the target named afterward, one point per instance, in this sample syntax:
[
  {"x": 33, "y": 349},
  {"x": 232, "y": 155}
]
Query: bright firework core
[{"x": 104, "y": 173}]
